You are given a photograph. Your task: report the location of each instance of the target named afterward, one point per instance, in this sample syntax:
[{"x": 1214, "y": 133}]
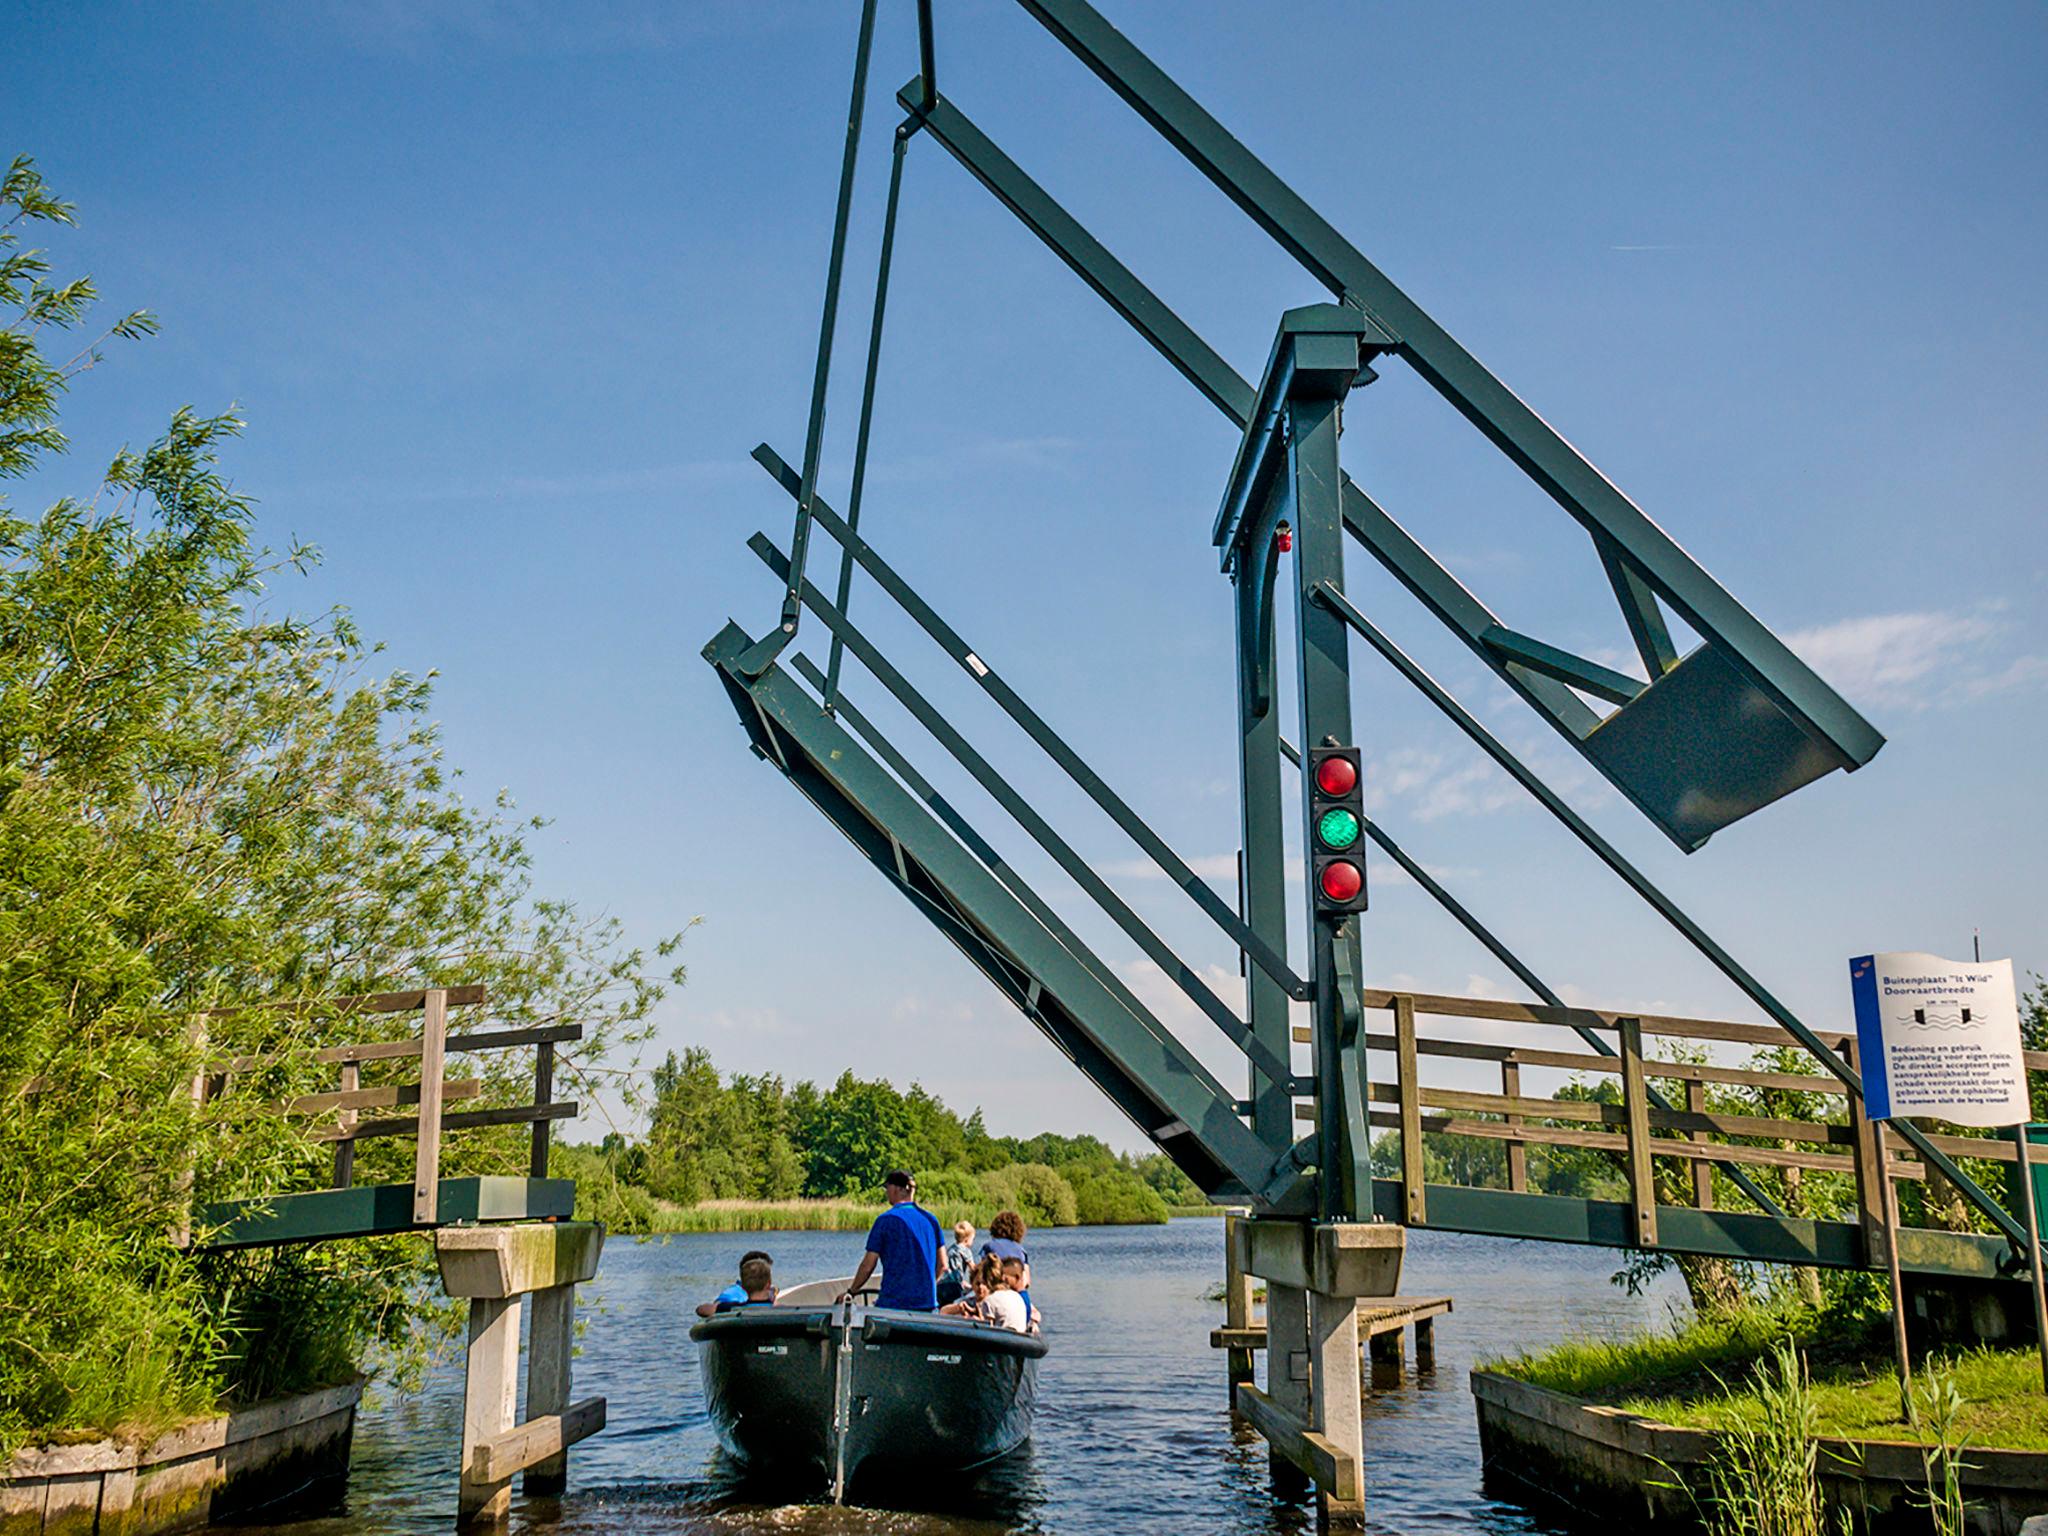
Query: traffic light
[{"x": 1336, "y": 831}]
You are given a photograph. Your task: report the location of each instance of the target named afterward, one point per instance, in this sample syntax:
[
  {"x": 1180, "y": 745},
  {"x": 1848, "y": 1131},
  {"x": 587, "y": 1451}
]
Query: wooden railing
[
  {"x": 428, "y": 1096},
  {"x": 1636, "y": 1131}
]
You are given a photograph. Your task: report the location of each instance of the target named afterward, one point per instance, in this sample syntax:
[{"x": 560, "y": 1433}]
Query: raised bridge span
[{"x": 1697, "y": 741}]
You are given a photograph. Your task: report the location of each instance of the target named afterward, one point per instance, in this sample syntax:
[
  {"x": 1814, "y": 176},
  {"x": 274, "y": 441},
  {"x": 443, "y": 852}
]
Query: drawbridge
[{"x": 1334, "y": 1137}]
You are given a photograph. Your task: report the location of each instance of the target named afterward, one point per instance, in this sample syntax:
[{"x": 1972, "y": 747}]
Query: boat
[{"x": 830, "y": 1393}]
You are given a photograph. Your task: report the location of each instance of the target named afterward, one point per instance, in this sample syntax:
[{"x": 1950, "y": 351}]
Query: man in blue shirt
[{"x": 905, "y": 1238}]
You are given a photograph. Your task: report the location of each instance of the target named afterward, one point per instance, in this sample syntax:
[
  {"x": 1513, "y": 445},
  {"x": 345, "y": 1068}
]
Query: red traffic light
[
  {"x": 1336, "y": 775},
  {"x": 1341, "y": 880}
]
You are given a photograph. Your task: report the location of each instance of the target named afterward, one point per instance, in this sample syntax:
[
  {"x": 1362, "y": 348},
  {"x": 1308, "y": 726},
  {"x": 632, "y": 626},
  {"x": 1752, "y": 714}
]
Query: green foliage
[
  {"x": 949, "y": 1187},
  {"x": 1033, "y": 1191},
  {"x": 1763, "y": 1481},
  {"x": 1938, "y": 1405},
  {"x": 1115, "y": 1197},
  {"x": 1166, "y": 1180},
  {"x": 601, "y": 1193},
  {"x": 722, "y": 1152},
  {"x": 204, "y": 802}
]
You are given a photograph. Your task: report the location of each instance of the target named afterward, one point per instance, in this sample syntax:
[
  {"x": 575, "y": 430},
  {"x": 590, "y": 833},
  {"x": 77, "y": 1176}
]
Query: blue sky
[{"x": 508, "y": 292}]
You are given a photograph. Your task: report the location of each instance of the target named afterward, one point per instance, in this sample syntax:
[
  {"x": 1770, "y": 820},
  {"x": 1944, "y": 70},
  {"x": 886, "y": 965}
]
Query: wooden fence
[
  {"x": 427, "y": 1096},
  {"x": 1636, "y": 1130}
]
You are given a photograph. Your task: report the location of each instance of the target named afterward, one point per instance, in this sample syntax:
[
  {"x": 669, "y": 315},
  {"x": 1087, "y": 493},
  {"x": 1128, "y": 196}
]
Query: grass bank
[{"x": 1704, "y": 1374}]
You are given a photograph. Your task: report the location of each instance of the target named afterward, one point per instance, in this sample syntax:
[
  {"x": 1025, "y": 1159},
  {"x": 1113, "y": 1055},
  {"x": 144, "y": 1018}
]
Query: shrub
[
  {"x": 1116, "y": 1197},
  {"x": 1033, "y": 1191},
  {"x": 949, "y": 1187}
]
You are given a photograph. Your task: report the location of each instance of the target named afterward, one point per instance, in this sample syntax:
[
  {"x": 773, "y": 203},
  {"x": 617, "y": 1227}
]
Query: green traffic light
[{"x": 1337, "y": 829}]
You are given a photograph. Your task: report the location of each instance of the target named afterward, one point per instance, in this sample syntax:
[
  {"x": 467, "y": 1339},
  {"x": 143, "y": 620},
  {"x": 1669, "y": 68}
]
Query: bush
[
  {"x": 1116, "y": 1198},
  {"x": 602, "y": 1192},
  {"x": 949, "y": 1187},
  {"x": 1033, "y": 1191}
]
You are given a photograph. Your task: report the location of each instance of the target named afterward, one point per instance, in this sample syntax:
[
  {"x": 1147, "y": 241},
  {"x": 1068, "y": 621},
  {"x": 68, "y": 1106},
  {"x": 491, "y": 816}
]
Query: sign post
[
  {"x": 1941, "y": 1038},
  {"x": 2030, "y": 1215}
]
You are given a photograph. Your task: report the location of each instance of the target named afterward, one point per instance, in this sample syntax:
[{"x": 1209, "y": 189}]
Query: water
[{"x": 1133, "y": 1432}]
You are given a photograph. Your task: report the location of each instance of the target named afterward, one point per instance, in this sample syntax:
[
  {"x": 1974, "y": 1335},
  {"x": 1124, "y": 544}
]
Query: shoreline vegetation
[
  {"x": 1775, "y": 1378},
  {"x": 802, "y": 1215},
  {"x": 215, "y": 796},
  {"x": 1713, "y": 1373},
  {"x": 728, "y": 1152}
]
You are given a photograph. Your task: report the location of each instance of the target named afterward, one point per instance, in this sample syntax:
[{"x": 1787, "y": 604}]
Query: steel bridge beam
[{"x": 1529, "y": 441}]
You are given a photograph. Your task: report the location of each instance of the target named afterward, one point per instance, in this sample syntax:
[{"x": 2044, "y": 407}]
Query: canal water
[{"x": 1133, "y": 1432}]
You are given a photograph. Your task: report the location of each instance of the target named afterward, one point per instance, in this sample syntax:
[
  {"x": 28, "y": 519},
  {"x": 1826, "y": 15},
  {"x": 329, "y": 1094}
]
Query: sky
[{"x": 508, "y": 292}]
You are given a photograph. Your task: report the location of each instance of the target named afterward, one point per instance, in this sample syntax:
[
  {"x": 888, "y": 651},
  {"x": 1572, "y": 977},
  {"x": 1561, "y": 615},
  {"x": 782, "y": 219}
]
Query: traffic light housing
[{"x": 1336, "y": 831}]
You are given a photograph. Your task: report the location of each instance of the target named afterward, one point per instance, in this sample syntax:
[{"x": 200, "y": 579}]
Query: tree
[
  {"x": 204, "y": 801},
  {"x": 856, "y": 1134}
]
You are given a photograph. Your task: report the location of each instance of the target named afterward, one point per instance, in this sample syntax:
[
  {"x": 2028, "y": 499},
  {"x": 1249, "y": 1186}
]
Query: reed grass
[
  {"x": 1764, "y": 1479},
  {"x": 783, "y": 1216}
]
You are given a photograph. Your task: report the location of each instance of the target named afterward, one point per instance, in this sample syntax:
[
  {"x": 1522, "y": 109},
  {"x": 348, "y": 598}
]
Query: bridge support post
[
  {"x": 495, "y": 1269},
  {"x": 1237, "y": 1304},
  {"x": 1309, "y": 1412}
]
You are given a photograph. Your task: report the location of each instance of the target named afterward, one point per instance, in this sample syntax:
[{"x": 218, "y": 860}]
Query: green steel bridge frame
[{"x": 1713, "y": 735}]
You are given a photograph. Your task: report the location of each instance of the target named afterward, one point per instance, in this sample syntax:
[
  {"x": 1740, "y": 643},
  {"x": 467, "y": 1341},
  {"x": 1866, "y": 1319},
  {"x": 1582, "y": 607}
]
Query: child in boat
[
  {"x": 1007, "y": 1306},
  {"x": 737, "y": 1295},
  {"x": 986, "y": 1276},
  {"x": 959, "y": 1263},
  {"x": 757, "y": 1279},
  {"x": 1006, "y": 1241}
]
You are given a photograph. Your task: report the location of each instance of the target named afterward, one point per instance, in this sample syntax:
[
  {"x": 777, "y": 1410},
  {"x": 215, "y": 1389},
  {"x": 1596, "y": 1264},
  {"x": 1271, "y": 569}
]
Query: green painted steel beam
[
  {"x": 1132, "y": 1056},
  {"x": 1574, "y": 671},
  {"x": 979, "y": 846},
  {"x": 1083, "y": 874},
  {"x": 1530, "y": 442},
  {"x": 1682, "y": 1229},
  {"x": 1317, "y": 353},
  {"x": 1146, "y": 313},
  {"x": 377, "y": 1210},
  {"x": 1639, "y": 610},
  {"x": 1113, "y": 805}
]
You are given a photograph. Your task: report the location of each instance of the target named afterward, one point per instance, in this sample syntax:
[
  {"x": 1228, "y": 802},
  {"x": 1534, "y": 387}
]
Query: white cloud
[
  {"x": 1219, "y": 867},
  {"x": 1163, "y": 996},
  {"x": 1918, "y": 659},
  {"x": 1434, "y": 790}
]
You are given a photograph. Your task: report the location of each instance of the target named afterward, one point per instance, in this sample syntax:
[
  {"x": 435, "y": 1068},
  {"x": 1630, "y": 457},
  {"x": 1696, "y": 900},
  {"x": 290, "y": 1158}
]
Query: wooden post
[
  {"x": 1702, "y": 1171},
  {"x": 1871, "y": 1158},
  {"x": 543, "y": 1095},
  {"x": 195, "y": 1040},
  {"x": 1287, "y": 1373},
  {"x": 345, "y": 1150},
  {"x": 1335, "y": 1411},
  {"x": 1385, "y": 1348},
  {"x": 1237, "y": 1304},
  {"x": 1518, "y": 1153},
  {"x": 426, "y": 1181},
  {"x": 488, "y": 1402},
  {"x": 551, "y": 1347},
  {"x": 1425, "y": 1344},
  {"x": 1408, "y": 1084},
  {"x": 1642, "y": 1182}
]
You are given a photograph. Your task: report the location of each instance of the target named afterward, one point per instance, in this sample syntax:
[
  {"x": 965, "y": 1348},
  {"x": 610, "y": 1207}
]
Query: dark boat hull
[{"x": 842, "y": 1395}]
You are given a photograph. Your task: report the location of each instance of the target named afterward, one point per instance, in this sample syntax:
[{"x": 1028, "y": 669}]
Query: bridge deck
[{"x": 378, "y": 1210}]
